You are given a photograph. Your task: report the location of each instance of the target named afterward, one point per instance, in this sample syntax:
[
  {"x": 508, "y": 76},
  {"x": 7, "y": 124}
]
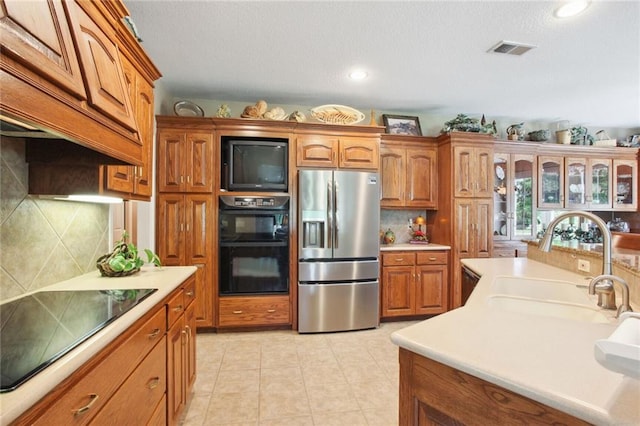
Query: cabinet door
[
  {"x": 625, "y": 185},
  {"x": 392, "y": 172},
  {"x": 550, "y": 182},
  {"x": 190, "y": 348},
  {"x": 463, "y": 171},
  {"x": 482, "y": 228},
  {"x": 502, "y": 182},
  {"x": 199, "y": 241},
  {"x": 37, "y": 35},
  {"x": 576, "y": 183},
  {"x": 144, "y": 107},
  {"x": 176, "y": 373},
  {"x": 398, "y": 290},
  {"x": 422, "y": 188},
  {"x": 317, "y": 151},
  {"x": 170, "y": 170},
  {"x": 483, "y": 172},
  {"x": 170, "y": 228},
  {"x": 359, "y": 153},
  {"x": 600, "y": 184},
  {"x": 431, "y": 289},
  {"x": 524, "y": 197},
  {"x": 199, "y": 162},
  {"x": 464, "y": 221},
  {"x": 100, "y": 62}
]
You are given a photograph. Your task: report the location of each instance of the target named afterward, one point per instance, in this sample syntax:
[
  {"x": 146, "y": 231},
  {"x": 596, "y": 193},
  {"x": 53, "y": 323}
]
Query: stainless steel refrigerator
[{"x": 338, "y": 249}]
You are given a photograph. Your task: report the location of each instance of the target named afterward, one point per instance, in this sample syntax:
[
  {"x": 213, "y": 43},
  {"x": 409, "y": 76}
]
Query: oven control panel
[{"x": 253, "y": 202}]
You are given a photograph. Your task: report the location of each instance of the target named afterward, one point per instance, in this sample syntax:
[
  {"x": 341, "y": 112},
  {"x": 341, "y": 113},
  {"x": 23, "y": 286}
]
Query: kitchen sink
[
  {"x": 540, "y": 289},
  {"x": 547, "y": 308}
]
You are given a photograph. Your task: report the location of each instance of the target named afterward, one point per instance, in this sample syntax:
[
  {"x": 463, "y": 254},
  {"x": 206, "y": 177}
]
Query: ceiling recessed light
[
  {"x": 571, "y": 8},
  {"x": 358, "y": 75}
]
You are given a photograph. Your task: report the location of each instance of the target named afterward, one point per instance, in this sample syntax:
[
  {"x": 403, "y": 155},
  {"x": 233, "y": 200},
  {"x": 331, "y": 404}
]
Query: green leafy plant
[{"x": 124, "y": 259}]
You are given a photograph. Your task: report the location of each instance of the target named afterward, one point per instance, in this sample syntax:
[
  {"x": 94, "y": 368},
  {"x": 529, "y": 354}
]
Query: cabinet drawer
[
  {"x": 189, "y": 292},
  {"x": 398, "y": 258},
  {"x": 506, "y": 252},
  {"x": 432, "y": 258},
  {"x": 82, "y": 401},
  {"x": 176, "y": 307},
  {"x": 143, "y": 390},
  {"x": 242, "y": 311}
]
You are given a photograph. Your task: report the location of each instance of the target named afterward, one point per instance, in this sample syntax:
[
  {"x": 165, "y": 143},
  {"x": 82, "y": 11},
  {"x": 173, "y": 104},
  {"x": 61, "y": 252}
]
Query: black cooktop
[{"x": 40, "y": 328}]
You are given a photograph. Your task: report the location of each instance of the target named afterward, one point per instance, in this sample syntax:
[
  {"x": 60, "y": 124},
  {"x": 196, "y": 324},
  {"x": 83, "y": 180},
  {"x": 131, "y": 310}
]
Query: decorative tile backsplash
[
  {"x": 398, "y": 222},
  {"x": 43, "y": 241}
]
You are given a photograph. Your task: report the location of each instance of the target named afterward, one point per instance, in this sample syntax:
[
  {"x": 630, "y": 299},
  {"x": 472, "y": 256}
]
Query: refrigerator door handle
[
  {"x": 336, "y": 226},
  {"x": 329, "y": 231}
]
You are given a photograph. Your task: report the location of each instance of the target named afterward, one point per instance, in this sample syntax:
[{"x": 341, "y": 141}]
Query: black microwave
[{"x": 255, "y": 164}]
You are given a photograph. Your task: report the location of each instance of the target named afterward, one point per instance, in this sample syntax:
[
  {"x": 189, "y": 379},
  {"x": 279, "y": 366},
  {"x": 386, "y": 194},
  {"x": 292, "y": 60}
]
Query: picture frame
[{"x": 402, "y": 125}]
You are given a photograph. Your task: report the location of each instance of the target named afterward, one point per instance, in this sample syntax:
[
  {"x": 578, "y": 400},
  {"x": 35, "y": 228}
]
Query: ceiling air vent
[{"x": 511, "y": 48}]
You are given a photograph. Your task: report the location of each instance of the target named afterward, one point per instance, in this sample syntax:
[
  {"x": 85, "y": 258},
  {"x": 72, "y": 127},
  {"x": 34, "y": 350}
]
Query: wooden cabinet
[
  {"x": 514, "y": 202},
  {"x": 625, "y": 185},
  {"x": 128, "y": 375},
  {"x": 185, "y": 222},
  {"x": 348, "y": 152},
  {"x": 472, "y": 171},
  {"x": 432, "y": 393},
  {"x": 408, "y": 173},
  {"x": 40, "y": 38},
  {"x": 241, "y": 311},
  {"x": 185, "y": 160},
  {"x": 587, "y": 183},
  {"x": 180, "y": 350},
  {"x": 414, "y": 283},
  {"x": 100, "y": 63},
  {"x": 473, "y": 228},
  {"x": 136, "y": 181}
]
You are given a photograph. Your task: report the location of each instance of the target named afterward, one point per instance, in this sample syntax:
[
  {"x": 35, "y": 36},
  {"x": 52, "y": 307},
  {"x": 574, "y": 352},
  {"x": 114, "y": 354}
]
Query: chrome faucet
[
  {"x": 624, "y": 306},
  {"x": 605, "y": 290}
]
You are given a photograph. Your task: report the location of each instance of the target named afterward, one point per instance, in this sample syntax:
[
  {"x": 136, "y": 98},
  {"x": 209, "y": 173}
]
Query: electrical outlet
[{"x": 584, "y": 265}]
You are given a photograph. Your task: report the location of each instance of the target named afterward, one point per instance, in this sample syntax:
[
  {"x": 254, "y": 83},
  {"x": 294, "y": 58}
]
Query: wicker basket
[{"x": 103, "y": 263}]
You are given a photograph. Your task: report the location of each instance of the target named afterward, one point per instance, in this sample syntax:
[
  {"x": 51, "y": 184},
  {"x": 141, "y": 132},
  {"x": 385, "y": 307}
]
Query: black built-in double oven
[{"x": 253, "y": 244}]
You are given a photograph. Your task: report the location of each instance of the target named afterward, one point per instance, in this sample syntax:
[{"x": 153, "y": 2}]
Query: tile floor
[{"x": 286, "y": 378}]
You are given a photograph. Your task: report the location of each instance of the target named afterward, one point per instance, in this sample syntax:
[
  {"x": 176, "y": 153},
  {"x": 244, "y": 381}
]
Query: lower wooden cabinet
[
  {"x": 134, "y": 380},
  {"x": 414, "y": 283},
  {"x": 241, "y": 311},
  {"x": 432, "y": 393}
]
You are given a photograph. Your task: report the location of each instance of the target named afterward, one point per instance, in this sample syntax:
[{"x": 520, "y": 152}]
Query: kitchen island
[
  {"x": 62, "y": 375},
  {"x": 549, "y": 361}
]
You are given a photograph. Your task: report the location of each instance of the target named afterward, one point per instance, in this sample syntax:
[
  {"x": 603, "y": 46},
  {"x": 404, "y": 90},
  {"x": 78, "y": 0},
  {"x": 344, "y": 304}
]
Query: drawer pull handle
[
  {"x": 154, "y": 333},
  {"x": 271, "y": 310},
  {"x": 189, "y": 293},
  {"x": 237, "y": 312},
  {"x": 93, "y": 398},
  {"x": 432, "y": 259},
  {"x": 177, "y": 308},
  {"x": 153, "y": 383},
  {"x": 399, "y": 259}
]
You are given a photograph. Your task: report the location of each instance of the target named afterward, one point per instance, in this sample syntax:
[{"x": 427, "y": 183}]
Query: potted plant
[{"x": 124, "y": 260}]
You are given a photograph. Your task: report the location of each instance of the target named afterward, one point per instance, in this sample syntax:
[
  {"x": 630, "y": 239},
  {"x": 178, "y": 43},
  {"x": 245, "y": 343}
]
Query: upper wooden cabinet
[
  {"x": 625, "y": 185},
  {"x": 136, "y": 181},
  {"x": 408, "y": 173},
  {"x": 472, "y": 171},
  {"x": 185, "y": 160},
  {"x": 61, "y": 72},
  {"x": 337, "y": 151},
  {"x": 39, "y": 37}
]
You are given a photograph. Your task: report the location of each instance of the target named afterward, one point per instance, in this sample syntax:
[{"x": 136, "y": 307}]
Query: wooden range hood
[{"x": 66, "y": 90}]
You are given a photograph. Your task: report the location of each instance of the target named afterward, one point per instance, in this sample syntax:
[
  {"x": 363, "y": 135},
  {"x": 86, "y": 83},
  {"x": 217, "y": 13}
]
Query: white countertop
[
  {"x": 408, "y": 246},
  {"x": 165, "y": 279},
  {"x": 549, "y": 360}
]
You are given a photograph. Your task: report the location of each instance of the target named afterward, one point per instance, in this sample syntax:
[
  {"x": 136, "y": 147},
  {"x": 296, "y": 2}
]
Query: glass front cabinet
[
  {"x": 588, "y": 183},
  {"x": 514, "y": 196},
  {"x": 551, "y": 175},
  {"x": 625, "y": 185}
]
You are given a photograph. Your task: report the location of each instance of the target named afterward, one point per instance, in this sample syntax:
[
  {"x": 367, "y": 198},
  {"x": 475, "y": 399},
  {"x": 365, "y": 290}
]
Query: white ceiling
[{"x": 423, "y": 57}]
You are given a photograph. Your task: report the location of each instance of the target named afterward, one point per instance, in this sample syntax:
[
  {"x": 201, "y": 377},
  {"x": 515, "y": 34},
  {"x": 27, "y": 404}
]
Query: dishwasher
[{"x": 469, "y": 281}]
